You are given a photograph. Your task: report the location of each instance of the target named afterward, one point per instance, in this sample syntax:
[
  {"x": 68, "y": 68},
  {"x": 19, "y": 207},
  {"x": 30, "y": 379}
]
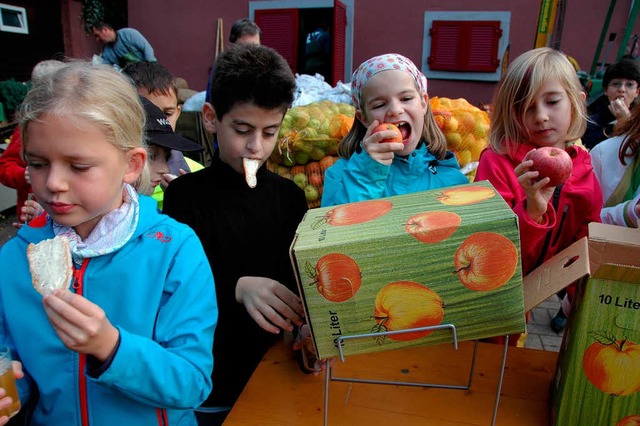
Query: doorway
[{"x": 312, "y": 56}]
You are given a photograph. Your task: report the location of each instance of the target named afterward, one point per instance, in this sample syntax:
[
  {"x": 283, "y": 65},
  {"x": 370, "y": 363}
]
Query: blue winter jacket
[
  {"x": 362, "y": 178},
  {"x": 158, "y": 290}
]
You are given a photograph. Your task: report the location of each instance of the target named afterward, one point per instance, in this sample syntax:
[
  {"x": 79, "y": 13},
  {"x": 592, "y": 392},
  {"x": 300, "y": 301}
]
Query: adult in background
[
  {"x": 123, "y": 46},
  {"x": 620, "y": 83},
  {"x": 245, "y": 31}
]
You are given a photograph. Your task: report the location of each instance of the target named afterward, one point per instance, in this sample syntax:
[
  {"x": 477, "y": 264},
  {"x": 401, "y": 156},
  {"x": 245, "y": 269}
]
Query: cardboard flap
[
  {"x": 556, "y": 273},
  {"x": 613, "y": 245}
]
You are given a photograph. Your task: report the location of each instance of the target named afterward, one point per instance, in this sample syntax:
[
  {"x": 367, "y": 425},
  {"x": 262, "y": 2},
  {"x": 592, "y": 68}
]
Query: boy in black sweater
[{"x": 246, "y": 232}]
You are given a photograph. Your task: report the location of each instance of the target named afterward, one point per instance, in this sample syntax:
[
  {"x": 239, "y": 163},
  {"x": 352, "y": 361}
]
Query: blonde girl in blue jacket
[
  {"x": 129, "y": 342},
  {"x": 390, "y": 89}
]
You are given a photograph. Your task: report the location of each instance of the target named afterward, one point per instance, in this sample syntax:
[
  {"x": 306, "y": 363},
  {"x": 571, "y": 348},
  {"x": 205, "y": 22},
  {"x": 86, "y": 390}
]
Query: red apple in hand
[
  {"x": 553, "y": 163},
  {"x": 389, "y": 126}
]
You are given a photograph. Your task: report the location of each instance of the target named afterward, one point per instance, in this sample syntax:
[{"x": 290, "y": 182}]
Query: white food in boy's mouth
[
  {"x": 250, "y": 166},
  {"x": 50, "y": 264}
]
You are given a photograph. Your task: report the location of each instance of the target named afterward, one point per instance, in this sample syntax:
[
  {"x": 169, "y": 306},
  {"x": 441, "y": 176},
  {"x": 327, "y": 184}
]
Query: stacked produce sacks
[
  {"x": 308, "y": 144},
  {"x": 466, "y": 129}
]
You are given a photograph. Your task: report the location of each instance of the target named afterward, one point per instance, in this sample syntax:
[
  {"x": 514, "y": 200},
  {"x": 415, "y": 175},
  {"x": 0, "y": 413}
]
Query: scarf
[{"x": 111, "y": 233}]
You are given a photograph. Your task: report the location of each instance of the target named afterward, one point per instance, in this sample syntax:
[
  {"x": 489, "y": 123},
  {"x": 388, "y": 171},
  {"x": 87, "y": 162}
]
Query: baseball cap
[{"x": 159, "y": 132}]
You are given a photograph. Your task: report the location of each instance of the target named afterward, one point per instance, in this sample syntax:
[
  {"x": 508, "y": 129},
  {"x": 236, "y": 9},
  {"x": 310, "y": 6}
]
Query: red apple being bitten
[{"x": 553, "y": 163}]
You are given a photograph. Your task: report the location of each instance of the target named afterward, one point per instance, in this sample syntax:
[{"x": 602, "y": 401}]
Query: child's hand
[
  {"x": 29, "y": 211},
  {"x": 537, "y": 195},
  {"x": 381, "y": 152},
  {"x": 619, "y": 108},
  {"x": 271, "y": 304},
  {"x": 81, "y": 325},
  {"x": 168, "y": 177},
  {"x": 5, "y": 402}
]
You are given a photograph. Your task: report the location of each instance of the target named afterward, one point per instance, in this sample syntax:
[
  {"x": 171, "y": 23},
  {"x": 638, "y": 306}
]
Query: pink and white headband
[{"x": 371, "y": 67}]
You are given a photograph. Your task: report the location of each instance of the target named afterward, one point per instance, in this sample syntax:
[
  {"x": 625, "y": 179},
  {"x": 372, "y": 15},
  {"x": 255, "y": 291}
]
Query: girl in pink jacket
[{"x": 539, "y": 103}]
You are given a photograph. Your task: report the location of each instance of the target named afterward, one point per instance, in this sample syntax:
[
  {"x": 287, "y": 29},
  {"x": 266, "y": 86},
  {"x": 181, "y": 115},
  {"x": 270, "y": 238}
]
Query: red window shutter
[
  {"x": 339, "y": 40},
  {"x": 280, "y": 31},
  {"x": 470, "y": 46}
]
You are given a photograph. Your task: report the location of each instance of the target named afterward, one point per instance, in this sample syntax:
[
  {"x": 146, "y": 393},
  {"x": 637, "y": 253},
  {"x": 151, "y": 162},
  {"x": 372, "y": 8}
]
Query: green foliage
[
  {"x": 12, "y": 93},
  {"x": 92, "y": 13}
]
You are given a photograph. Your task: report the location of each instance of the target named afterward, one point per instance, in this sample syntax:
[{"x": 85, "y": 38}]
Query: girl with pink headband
[{"x": 390, "y": 89}]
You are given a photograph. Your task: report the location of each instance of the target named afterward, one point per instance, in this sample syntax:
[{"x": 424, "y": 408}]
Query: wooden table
[{"x": 280, "y": 394}]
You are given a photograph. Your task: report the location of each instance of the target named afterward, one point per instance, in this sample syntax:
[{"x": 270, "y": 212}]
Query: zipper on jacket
[
  {"x": 564, "y": 216},
  {"x": 162, "y": 417},
  {"x": 78, "y": 281},
  {"x": 555, "y": 201}
]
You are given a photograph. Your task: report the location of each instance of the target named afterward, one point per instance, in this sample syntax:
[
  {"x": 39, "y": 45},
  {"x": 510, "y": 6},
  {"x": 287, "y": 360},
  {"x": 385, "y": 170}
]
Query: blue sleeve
[
  {"x": 109, "y": 56},
  {"x": 358, "y": 178},
  {"x": 136, "y": 40},
  {"x": 174, "y": 369}
]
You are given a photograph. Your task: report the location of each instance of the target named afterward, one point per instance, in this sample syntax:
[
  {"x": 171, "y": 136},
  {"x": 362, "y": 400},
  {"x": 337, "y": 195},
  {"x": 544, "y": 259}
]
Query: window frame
[
  {"x": 504, "y": 17},
  {"x": 21, "y": 13}
]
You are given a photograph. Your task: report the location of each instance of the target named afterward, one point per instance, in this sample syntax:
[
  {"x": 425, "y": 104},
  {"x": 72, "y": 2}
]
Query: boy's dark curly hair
[
  {"x": 251, "y": 73},
  {"x": 625, "y": 68}
]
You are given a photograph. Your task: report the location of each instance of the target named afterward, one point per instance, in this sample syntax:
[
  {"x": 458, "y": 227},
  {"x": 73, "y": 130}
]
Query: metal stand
[{"x": 330, "y": 377}]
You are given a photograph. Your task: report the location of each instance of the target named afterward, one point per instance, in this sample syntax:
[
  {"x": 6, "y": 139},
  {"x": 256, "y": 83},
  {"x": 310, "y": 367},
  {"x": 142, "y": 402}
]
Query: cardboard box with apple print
[
  {"x": 597, "y": 378},
  {"x": 446, "y": 256}
]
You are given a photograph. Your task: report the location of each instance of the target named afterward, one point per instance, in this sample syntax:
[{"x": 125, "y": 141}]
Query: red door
[
  {"x": 280, "y": 31},
  {"x": 339, "y": 40}
]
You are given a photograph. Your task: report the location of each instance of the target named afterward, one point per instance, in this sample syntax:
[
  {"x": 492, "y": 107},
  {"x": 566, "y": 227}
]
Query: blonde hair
[
  {"x": 517, "y": 90},
  {"x": 43, "y": 68},
  {"x": 436, "y": 142},
  {"x": 96, "y": 93}
]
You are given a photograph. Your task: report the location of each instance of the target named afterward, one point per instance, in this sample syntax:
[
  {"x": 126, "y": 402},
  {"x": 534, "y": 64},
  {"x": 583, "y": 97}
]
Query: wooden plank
[{"x": 279, "y": 394}]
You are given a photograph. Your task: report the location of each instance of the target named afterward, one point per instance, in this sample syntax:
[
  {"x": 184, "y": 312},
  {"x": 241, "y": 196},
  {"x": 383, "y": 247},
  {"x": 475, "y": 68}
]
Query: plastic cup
[{"x": 8, "y": 382}]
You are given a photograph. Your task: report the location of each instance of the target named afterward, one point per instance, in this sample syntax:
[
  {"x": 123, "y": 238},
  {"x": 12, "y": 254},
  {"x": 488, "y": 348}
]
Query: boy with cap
[
  {"x": 156, "y": 83},
  {"x": 161, "y": 140}
]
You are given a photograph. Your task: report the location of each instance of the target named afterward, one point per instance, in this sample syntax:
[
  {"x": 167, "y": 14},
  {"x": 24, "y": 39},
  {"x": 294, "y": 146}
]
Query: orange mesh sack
[
  {"x": 466, "y": 128},
  {"x": 309, "y": 177}
]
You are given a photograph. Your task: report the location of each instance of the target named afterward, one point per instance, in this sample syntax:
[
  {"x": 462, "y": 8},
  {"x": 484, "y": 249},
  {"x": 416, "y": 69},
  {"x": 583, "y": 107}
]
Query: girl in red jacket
[{"x": 539, "y": 103}]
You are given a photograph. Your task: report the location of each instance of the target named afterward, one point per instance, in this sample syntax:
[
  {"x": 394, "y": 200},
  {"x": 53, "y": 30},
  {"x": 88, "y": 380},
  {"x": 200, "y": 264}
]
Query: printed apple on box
[
  {"x": 432, "y": 258},
  {"x": 597, "y": 378}
]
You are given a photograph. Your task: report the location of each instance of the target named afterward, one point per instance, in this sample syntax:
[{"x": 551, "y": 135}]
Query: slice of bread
[
  {"x": 50, "y": 264},
  {"x": 250, "y": 169}
]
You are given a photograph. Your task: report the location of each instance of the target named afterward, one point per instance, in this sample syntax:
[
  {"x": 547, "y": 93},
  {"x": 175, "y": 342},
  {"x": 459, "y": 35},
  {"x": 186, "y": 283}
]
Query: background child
[
  {"x": 245, "y": 231},
  {"x": 158, "y": 84},
  {"x": 13, "y": 168},
  {"x": 616, "y": 164},
  {"x": 161, "y": 141},
  {"x": 390, "y": 89},
  {"x": 119, "y": 346},
  {"x": 621, "y": 86},
  {"x": 540, "y": 102}
]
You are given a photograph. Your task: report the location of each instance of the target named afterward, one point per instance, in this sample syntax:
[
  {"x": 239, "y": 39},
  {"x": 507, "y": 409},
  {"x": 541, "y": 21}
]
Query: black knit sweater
[{"x": 245, "y": 232}]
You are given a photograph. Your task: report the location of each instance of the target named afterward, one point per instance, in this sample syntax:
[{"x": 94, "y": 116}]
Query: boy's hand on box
[
  {"x": 537, "y": 195},
  {"x": 271, "y": 304},
  {"x": 81, "y": 325}
]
